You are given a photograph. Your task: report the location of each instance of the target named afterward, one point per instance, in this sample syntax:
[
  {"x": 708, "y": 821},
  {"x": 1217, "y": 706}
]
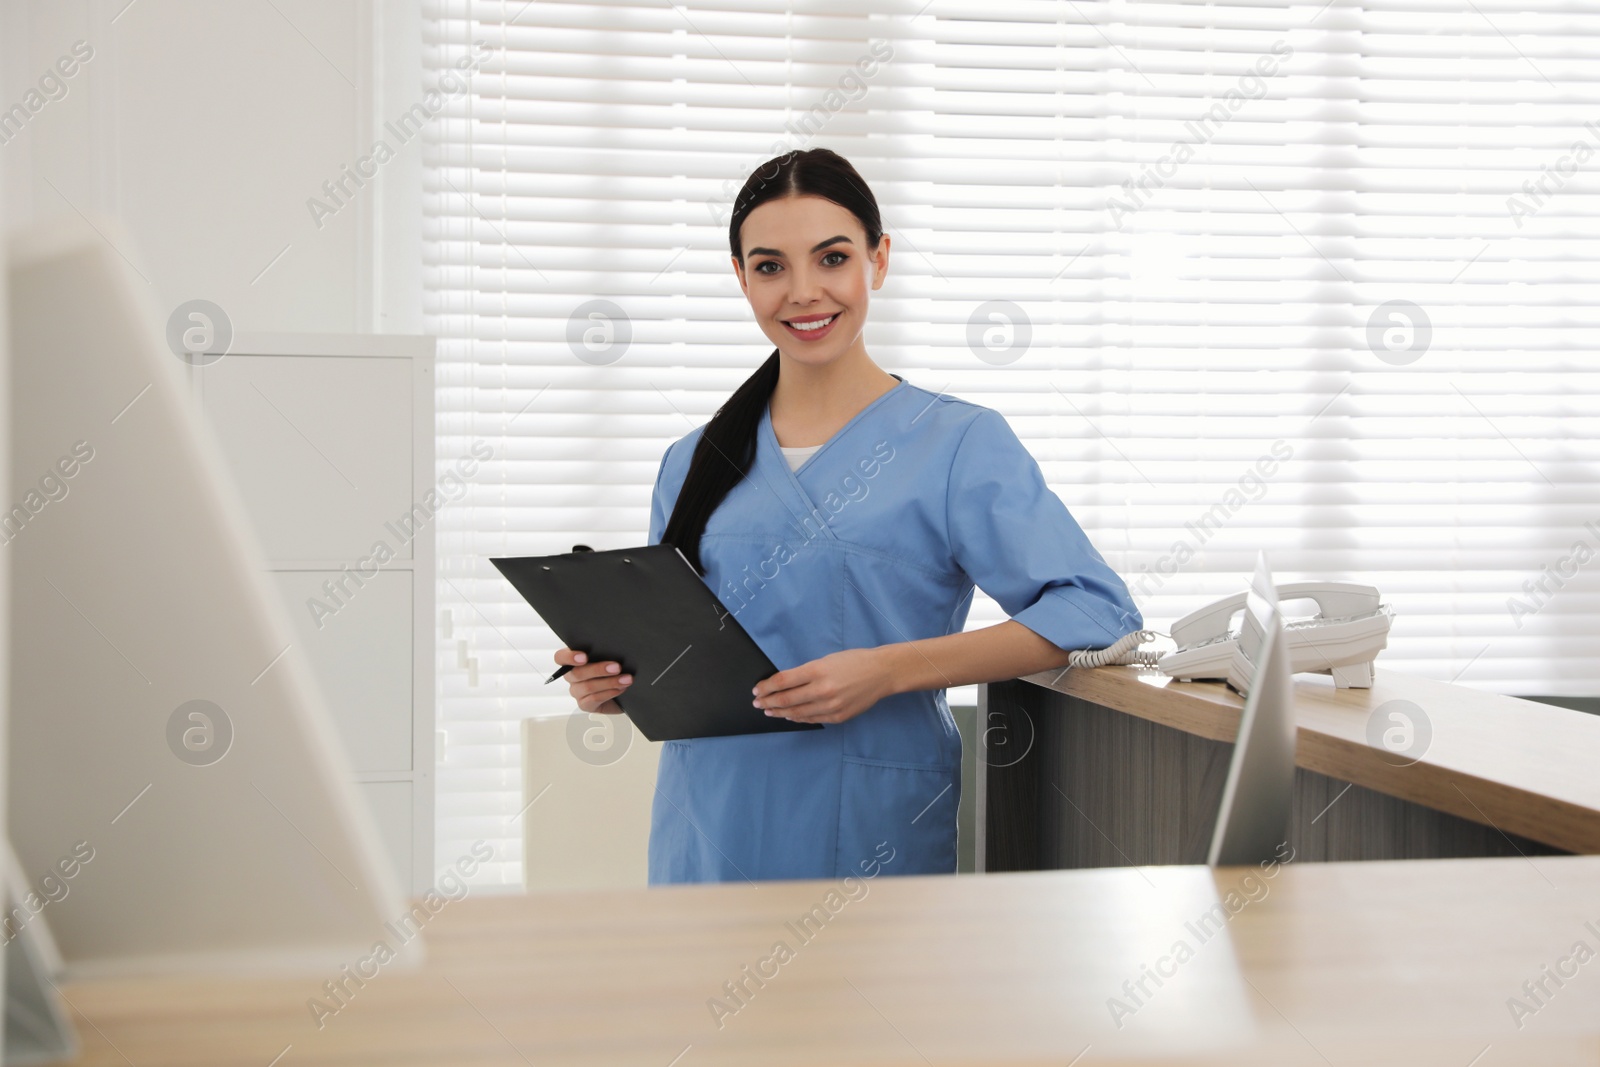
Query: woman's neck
[{"x": 811, "y": 403}]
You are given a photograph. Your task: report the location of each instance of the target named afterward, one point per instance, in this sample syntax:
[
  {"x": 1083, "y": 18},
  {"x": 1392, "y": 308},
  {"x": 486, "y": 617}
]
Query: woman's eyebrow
[{"x": 815, "y": 248}]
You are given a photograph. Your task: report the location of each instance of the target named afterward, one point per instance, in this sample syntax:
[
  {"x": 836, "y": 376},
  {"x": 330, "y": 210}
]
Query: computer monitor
[
  {"x": 173, "y": 771},
  {"x": 1254, "y": 814},
  {"x": 38, "y": 1028}
]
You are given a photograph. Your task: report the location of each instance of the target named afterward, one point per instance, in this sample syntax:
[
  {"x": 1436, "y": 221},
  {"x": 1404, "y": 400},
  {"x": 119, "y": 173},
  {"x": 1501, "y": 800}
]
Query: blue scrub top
[{"x": 877, "y": 538}]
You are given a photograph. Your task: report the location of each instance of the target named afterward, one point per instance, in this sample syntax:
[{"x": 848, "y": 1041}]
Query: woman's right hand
[{"x": 594, "y": 685}]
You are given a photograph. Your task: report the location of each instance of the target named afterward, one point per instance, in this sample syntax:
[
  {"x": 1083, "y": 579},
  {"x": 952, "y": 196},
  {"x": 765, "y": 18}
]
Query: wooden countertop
[
  {"x": 1519, "y": 766},
  {"x": 1406, "y": 963}
]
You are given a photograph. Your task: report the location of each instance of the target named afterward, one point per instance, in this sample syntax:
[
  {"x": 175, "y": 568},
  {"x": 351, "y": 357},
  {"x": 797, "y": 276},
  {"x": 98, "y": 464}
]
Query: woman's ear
[
  {"x": 738, "y": 270},
  {"x": 880, "y": 262}
]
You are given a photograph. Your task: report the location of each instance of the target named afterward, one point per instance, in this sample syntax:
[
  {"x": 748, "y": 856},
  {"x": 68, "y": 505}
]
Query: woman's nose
[{"x": 804, "y": 287}]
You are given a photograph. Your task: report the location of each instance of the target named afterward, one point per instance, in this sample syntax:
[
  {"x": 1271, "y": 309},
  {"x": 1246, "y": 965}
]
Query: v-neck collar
[{"x": 772, "y": 437}]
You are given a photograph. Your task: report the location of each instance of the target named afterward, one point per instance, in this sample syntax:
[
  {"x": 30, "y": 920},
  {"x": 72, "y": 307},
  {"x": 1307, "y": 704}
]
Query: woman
[{"x": 842, "y": 515}]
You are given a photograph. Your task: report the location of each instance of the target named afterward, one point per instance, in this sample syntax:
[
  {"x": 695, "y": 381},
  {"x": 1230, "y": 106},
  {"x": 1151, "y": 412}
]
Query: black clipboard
[{"x": 693, "y": 665}]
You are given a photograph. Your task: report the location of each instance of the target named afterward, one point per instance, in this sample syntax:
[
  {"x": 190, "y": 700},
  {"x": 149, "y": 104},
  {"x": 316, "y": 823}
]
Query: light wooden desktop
[
  {"x": 1122, "y": 765},
  {"x": 1406, "y": 963},
  {"x": 1448, "y": 962}
]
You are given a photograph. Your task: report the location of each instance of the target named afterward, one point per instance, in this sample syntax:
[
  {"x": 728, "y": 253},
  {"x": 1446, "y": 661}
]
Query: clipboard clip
[{"x": 563, "y": 670}]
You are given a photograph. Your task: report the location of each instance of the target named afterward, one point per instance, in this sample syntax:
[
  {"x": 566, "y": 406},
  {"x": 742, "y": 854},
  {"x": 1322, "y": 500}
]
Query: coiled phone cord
[{"x": 1124, "y": 652}]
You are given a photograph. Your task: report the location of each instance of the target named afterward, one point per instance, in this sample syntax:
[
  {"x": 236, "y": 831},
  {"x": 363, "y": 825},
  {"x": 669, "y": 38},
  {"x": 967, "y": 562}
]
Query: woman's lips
[{"x": 816, "y": 334}]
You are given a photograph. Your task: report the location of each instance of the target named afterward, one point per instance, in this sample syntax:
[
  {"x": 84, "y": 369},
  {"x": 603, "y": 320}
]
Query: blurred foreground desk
[
  {"x": 1411, "y": 964},
  {"x": 1122, "y": 765}
]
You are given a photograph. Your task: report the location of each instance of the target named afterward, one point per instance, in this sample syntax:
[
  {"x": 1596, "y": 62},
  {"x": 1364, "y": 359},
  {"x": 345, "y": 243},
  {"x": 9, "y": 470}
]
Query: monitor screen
[
  {"x": 1253, "y": 817},
  {"x": 173, "y": 771}
]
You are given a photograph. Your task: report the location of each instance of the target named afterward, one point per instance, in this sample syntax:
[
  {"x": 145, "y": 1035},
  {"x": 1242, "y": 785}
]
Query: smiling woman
[{"x": 865, "y": 618}]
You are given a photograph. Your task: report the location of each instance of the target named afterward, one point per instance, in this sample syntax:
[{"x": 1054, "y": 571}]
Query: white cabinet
[
  {"x": 330, "y": 441},
  {"x": 323, "y": 446},
  {"x": 354, "y": 655}
]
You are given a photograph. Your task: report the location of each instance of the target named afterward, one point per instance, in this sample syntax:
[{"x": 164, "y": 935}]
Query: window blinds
[{"x": 1296, "y": 277}]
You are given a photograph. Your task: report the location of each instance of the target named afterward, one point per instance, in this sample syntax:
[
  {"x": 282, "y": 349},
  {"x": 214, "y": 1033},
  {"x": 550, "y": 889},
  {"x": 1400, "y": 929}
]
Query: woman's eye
[{"x": 830, "y": 259}]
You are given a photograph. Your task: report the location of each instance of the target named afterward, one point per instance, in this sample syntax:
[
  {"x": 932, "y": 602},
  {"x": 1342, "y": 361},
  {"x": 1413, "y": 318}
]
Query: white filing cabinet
[{"x": 330, "y": 440}]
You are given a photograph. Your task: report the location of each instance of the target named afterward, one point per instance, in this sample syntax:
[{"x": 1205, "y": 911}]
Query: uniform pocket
[{"x": 899, "y": 818}]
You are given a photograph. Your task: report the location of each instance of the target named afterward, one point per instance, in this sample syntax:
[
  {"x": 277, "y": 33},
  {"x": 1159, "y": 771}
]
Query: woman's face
[{"x": 806, "y": 261}]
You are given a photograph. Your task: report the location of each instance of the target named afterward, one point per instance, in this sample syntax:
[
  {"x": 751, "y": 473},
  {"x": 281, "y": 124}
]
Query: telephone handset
[{"x": 1349, "y": 630}]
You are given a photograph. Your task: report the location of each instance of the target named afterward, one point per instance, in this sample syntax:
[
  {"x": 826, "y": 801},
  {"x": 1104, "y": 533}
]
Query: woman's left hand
[{"x": 837, "y": 687}]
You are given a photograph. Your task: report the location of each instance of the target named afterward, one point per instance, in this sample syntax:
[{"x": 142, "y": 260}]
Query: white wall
[{"x": 205, "y": 125}]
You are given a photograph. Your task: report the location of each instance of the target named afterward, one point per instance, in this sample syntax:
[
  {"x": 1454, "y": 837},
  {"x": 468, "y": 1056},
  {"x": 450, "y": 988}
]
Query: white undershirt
[{"x": 797, "y": 456}]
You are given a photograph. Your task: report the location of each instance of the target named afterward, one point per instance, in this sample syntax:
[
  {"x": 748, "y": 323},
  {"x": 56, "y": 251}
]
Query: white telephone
[{"x": 1349, "y": 630}]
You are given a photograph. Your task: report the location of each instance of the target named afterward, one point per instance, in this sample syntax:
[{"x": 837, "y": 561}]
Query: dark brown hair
[{"x": 727, "y": 445}]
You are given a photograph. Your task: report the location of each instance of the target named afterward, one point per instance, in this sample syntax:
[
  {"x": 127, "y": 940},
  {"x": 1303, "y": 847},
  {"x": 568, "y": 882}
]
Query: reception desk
[
  {"x": 1124, "y": 766},
  {"x": 1481, "y": 962},
  {"x": 1406, "y": 964}
]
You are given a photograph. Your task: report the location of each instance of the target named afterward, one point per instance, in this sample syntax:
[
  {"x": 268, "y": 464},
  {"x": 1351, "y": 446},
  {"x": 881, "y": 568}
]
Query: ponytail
[{"x": 722, "y": 456}]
